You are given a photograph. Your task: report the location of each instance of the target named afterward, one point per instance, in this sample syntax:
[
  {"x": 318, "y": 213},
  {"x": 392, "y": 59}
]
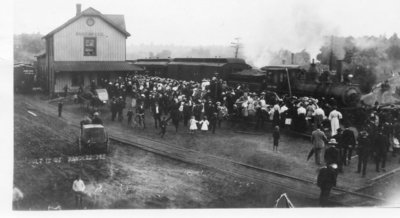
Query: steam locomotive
[{"x": 295, "y": 80}]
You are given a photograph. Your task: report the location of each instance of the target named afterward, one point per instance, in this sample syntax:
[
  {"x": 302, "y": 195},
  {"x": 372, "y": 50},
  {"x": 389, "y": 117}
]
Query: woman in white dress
[{"x": 334, "y": 117}]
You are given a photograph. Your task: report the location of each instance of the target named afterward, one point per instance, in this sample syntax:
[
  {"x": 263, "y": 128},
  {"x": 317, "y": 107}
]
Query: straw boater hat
[{"x": 332, "y": 141}]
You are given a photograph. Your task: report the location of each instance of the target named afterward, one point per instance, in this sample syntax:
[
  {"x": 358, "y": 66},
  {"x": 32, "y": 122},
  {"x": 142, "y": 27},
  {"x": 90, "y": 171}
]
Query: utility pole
[{"x": 236, "y": 45}]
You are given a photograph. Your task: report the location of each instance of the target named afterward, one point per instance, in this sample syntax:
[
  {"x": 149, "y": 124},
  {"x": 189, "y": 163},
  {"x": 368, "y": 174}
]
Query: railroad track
[{"x": 296, "y": 184}]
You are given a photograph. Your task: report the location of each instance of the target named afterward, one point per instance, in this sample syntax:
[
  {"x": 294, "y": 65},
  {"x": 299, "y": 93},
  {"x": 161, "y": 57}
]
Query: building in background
[{"x": 89, "y": 47}]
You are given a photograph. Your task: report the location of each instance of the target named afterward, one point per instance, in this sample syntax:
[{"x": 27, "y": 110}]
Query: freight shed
[{"x": 198, "y": 68}]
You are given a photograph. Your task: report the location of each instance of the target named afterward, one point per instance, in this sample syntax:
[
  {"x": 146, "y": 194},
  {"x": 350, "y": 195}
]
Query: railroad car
[
  {"x": 197, "y": 69},
  {"x": 194, "y": 69},
  {"x": 24, "y": 77},
  {"x": 153, "y": 67}
]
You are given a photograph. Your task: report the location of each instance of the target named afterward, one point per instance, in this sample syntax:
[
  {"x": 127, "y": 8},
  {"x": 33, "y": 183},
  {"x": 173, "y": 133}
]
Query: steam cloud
[{"x": 298, "y": 26}]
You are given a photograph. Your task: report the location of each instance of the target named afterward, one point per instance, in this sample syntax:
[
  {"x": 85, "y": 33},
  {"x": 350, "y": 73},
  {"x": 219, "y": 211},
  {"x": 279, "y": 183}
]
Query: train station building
[{"x": 91, "y": 46}]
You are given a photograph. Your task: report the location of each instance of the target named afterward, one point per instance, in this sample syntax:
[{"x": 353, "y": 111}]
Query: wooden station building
[{"x": 89, "y": 47}]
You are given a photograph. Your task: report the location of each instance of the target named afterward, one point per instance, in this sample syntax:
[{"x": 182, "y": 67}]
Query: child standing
[
  {"x": 276, "y": 135},
  {"x": 193, "y": 125},
  {"x": 163, "y": 127},
  {"x": 204, "y": 124}
]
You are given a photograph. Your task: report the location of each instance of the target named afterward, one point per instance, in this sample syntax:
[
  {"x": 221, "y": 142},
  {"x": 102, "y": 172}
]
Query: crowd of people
[
  {"x": 204, "y": 106},
  {"x": 378, "y": 135},
  {"x": 212, "y": 100}
]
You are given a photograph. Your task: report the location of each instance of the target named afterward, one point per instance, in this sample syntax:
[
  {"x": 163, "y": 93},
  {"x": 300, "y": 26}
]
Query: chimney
[
  {"x": 78, "y": 9},
  {"x": 292, "y": 60},
  {"x": 339, "y": 69}
]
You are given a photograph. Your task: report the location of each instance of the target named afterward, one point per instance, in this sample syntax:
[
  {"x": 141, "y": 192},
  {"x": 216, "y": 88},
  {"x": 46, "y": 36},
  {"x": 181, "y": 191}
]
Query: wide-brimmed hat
[{"x": 363, "y": 132}]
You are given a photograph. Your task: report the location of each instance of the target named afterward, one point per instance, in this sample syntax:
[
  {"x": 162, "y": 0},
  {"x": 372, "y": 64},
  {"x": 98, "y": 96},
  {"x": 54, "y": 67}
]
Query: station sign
[
  {"x": 29, "y": 72},
  {"x": 90, "y": 34}
]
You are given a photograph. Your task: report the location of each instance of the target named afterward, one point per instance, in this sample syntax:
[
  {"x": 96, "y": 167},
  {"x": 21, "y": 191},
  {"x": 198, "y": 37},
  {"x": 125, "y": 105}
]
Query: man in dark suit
[
  {"x": 156, "y": 114},
  {"x": 340, "y": 148},
  {"x": 381, "y": 146},
  {"x": 60, "y": 106},
  {"x": 349, "y": 142},
  {"x": 331, "y": 155},
  {"x": 318, "y": 139},
  {"x": 363, "y": 149},
  {"x": 187, "y": 113},
  {"x": 326, "y": 180}
]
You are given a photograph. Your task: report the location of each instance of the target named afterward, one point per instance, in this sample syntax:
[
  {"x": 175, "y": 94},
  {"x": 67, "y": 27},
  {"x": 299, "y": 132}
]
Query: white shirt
[
  {"x": 78, "y": 186},
  {"x": 283, "y": 109},
  {"x": 319, "y": 111},
  {"x": 301, "y": 110}
]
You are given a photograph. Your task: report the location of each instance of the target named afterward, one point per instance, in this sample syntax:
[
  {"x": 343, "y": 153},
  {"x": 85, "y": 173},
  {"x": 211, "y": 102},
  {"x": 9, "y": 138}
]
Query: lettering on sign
[
  {"x": 29, "y": 72},
  {"x": 69, "y": 159},
  {"x": 89, "y": 34}
]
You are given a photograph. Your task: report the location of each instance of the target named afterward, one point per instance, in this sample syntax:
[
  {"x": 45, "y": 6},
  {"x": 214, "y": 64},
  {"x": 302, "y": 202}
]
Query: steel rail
[{"x": 282, "y": 175}]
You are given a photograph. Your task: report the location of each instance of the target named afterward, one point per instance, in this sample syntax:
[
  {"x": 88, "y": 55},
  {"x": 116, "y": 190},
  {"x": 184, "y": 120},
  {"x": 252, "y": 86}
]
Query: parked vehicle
[{"x": 93, "y": 140}]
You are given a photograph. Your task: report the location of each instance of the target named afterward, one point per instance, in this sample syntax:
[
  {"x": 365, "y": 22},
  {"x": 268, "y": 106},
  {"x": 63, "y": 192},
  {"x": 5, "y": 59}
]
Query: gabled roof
[{"x": 116, "y": 21}]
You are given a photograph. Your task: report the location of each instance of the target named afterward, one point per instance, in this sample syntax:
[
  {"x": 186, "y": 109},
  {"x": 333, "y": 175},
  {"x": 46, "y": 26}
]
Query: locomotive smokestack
[
  {"x": 339, "y": 69},
  {"x": 78, "y": 9},
  {"x": 292, "y": 58},
  {"x": 313, "y": 72}
]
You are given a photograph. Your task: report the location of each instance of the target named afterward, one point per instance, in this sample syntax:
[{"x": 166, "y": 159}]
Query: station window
[{"x": 89, "y": 46}]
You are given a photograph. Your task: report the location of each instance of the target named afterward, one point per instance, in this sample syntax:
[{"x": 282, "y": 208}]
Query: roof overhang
[{"x": 94, "y": 66}]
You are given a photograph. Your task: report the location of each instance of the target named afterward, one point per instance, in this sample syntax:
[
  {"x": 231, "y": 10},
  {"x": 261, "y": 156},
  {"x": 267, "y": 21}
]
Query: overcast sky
[{"x": 262, "y": 25}]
